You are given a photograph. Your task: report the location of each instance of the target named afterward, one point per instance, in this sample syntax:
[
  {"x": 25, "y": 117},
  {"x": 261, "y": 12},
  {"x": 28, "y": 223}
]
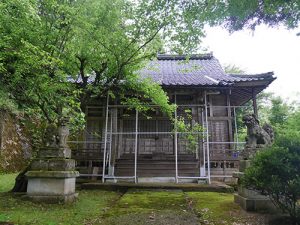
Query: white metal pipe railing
[
  {"x": 105, "y": 139},
  {"x": 235, "y": 126},
  {"x": 108, "y": 136},
  {"x": 175, "y": 140},
  {"x": 136, "y": 145},
  {"x": 110, "y": 145}
]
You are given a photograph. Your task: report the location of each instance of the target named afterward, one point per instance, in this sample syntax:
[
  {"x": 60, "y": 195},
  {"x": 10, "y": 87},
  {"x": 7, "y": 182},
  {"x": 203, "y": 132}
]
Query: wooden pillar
[
  {"x": 207, "y": 136},
  {"x": 254, "y": 104}
]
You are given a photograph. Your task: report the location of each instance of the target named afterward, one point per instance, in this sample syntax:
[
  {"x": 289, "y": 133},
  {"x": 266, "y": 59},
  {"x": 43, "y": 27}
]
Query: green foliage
[
  {"x": 44, "y": 42},
  {"x": 275, "y": 172},
  {"x": 110, "y": 47},
  {"x": 33, "y": 38},
  {"x": 233, "y": 69},
  {"x": 279, "y": 112},
  {"x": 288, "y": 134},
  {"x": 239, "y": 14},
  {"x": 189, "y": 130},
  {"x": 147, "y": 93},
  {"x": 6, "y": 103}
]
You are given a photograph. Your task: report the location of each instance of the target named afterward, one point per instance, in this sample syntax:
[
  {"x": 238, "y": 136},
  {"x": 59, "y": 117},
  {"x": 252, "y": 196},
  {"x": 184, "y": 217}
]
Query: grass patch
[
  {"x": 217, "y": 208},
  {"x": 87, "y": 210},
  {"x": 136, "y": 206},
  {"x": 7, "y": 182}
]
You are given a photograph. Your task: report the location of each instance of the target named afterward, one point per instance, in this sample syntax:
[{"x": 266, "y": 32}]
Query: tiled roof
[{"x": 198, "y": 70}]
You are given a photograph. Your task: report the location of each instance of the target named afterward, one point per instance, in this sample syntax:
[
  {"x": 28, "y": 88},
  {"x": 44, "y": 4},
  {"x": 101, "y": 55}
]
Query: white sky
[{"x": 266, "y": 49}]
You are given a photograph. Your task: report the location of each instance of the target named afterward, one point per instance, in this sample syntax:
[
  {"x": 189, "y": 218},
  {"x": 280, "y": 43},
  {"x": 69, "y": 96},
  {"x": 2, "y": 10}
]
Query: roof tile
[{"x": 197, "y": 70}]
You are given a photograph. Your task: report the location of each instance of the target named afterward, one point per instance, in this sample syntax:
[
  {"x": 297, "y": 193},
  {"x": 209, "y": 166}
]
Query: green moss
[
  {"x": 7, "y": 182},
  {"x": 218, "y": 208},
  {"x": 151, "y": 207},
  {"x": 135, "y": 201},
  {"x": 136, "y": 206}
]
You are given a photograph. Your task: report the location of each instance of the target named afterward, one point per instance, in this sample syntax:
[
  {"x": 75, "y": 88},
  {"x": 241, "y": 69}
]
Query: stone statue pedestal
[
  {"x": 52, "y": 174},
  {"x": 51, "y": 186},
  {"x": 251, "y": 200}
]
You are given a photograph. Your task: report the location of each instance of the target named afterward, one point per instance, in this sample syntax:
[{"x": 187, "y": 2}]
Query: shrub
[{"x": 275, "y": 172}]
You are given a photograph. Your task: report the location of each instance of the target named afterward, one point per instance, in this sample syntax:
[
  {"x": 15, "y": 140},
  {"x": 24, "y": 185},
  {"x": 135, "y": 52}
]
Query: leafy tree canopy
[
  {"x": 33, "y": 38},
  {"x": 240, "y": 14},
  {"x": 100, "y": 43}
]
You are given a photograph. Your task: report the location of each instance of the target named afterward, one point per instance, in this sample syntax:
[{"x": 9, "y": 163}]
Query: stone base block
[
  {"x": 257, "y": 205},
  {"x": 51, "y": 186},
  {"x": 250, "y": 194}
]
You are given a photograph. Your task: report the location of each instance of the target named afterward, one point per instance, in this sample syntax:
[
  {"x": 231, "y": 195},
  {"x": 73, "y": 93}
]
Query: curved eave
[{"x": 243, "y": 91}]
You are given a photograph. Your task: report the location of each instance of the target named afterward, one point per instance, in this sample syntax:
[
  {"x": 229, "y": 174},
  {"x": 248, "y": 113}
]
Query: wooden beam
[{"x": 254, "y": 103}]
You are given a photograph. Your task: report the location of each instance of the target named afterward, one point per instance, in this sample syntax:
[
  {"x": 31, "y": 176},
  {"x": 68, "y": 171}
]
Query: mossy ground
[
  {"x": 151, "y": 207},
  {"x": 89, "y": 206},
  {"x": 216, "y": 208},
  {"x": 136, "y": 206}
]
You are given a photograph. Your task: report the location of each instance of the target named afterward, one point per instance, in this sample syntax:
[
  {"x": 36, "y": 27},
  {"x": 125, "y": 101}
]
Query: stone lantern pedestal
[{"x": 52, "y": 174}]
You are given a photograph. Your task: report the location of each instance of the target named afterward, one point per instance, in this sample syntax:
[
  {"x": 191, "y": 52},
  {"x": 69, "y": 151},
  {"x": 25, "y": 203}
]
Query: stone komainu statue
[
  {"x": 51, "y": 137},
  {"x": 57, "y": 136},
  {"x": 257, "y": 137}
]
